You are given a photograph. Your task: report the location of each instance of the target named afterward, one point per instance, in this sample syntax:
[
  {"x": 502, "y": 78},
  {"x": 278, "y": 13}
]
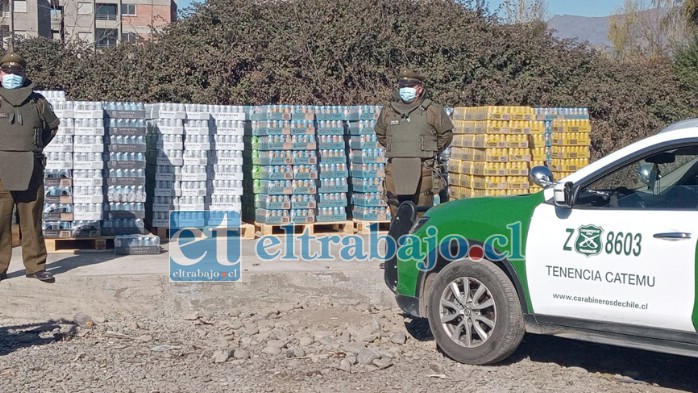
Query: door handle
[{"x": 672, "y": 235}]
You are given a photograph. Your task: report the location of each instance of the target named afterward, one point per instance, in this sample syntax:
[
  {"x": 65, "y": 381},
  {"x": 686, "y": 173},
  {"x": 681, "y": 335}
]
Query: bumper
[{"x": 408, "y": 304}]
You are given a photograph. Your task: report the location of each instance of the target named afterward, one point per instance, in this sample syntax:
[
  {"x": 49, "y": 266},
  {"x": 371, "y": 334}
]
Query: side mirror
[
  {"x": 648, "y": 174},
  {"x": 563, "y": 194},
  {"x": 644, "y": 172},
  {"x": 541, "y": 176}
]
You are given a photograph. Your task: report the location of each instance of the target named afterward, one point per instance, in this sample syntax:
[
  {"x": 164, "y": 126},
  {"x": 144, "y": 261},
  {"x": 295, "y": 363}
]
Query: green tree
[{"x": 686, "y": 66}]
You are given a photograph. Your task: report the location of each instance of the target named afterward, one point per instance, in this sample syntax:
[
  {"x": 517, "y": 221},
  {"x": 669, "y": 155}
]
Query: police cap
[
  {"x": 12, "y": 60},
  {"x": 410, "y": 75}
]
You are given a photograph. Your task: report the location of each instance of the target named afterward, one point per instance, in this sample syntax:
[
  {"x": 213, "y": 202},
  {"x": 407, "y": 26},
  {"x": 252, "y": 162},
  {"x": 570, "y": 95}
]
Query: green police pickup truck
[{"x": 607, "y": 254}]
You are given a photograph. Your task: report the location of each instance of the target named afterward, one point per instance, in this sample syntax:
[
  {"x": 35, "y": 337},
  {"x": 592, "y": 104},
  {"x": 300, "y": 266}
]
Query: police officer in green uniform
[
  {"x": 27, "y": 125},
  {"x": 414, "y": 130}
]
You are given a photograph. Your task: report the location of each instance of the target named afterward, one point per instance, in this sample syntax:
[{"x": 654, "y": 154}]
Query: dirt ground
[{"x": 323, "y": 327}]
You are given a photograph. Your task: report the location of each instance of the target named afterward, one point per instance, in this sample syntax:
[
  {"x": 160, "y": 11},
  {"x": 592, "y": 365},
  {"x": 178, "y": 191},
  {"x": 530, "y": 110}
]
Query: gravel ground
[{"x": 276, "y": 332}]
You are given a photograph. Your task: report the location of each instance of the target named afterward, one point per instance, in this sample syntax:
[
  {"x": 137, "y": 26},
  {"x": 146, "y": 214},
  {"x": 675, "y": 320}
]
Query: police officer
[
  {"x": 27, "y": 125},
  {"x": 413, "y": 127}
]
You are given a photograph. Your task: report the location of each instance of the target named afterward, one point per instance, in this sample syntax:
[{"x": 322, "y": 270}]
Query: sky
[
  {"x": 576, "y": 7},
  {"x": 182, "y": 4},
  {"x": 555, "y": 7}
]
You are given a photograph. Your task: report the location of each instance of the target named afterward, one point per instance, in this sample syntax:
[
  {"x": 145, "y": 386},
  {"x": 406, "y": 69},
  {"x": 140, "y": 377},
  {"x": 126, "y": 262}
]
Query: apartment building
[
  {"x": 103, "y": 23},
  {"x": 26, "y": 18},
  {"x": 110, "y": 22}
]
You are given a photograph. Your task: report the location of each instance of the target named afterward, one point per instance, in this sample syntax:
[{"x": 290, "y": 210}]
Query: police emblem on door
[{"x": 589, "y": 240}]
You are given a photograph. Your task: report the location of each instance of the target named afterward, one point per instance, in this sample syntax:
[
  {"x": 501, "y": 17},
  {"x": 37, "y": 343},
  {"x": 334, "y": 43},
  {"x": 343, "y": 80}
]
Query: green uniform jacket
[
  {"x": 27, "y": 125},
  {"x": 439, "y": 125}
]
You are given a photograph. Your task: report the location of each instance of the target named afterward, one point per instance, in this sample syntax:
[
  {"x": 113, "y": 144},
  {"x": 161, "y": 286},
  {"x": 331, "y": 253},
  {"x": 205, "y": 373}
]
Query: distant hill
[
  {"x": 582, "y": 28},
  {"x": 591, "y": 29}
]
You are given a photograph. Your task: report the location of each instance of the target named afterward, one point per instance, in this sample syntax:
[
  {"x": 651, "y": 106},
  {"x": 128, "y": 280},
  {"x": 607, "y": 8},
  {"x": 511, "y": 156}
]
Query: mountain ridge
[{"x": 591, "y": 29}]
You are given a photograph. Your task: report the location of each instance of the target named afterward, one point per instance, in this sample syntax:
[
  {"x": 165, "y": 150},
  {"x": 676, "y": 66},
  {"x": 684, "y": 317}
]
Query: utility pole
[
  {"x": 94, "y": 24},
  {"x": 12, "y": 25},
  {"x": 120, "y": 19}
]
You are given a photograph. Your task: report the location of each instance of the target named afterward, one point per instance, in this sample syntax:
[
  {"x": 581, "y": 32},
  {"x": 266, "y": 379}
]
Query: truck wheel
[{"x": 474, "y": 313}]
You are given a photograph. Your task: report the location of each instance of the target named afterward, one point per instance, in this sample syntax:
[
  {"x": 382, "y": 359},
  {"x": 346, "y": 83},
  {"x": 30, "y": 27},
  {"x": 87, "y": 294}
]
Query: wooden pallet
[
  {"x": 16, "y": 238},
  {"x": 339, "y": 227},
  {"x": 247, "y": 231},
  {"x": 313, "y": 228},
  {"x": 163, "y": 233},
  {"x": 75, "y": 246},
  {"x": 262, "y": 229},
  {"x": 364, "y": 227}
]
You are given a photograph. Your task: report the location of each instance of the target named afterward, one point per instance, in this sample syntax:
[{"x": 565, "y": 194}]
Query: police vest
[
  {"x": 408, "y": 133},
  {"x": 21, "y": 126}
]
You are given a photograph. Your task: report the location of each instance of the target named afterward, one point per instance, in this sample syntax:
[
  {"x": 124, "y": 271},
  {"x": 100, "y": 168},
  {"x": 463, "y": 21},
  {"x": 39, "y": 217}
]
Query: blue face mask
[
  {"x": 12, "y": 81},
  {"x": 408, "y": 93}
]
